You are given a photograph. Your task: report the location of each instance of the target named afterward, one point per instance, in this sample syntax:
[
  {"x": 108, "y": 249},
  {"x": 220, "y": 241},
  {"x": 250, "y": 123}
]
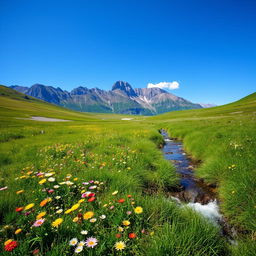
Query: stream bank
[{"x": 192, "y": 191}]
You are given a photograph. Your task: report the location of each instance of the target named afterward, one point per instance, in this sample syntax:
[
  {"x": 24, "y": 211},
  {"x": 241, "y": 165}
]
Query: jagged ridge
[{"x": 122, "y": 99}]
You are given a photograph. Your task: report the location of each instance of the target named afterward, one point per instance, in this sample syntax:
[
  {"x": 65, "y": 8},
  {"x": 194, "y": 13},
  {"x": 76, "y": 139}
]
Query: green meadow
[{"x": 96, "y": 185}]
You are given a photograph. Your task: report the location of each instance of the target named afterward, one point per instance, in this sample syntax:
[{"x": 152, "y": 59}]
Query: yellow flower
[
  {"x": 126, "y": 222},
  {"x": 17, "y": 231},
  {"x": 8, "y": 241},
  {"x": 81, "y": 201},
  {"x": 42, "y": 181},
  {"x": 19, "y": 192},
  {"x": 68, "y": 211},
  {"x": 88, "y": 215},
  {"x": 75, "y": 219},
  {"x": 29, "y": 206},
  {"x": 138, "y": 210},
  {"x": 120, "y": 229},
  {"x": 115, "y": 192},
  {"x": 57, "y": 222},
  {"x": 75, "y": 179},
  {"x": 120, "y": 246},
  {"x": 40, "y": 215},
  {"x": 75, "y": 206}
]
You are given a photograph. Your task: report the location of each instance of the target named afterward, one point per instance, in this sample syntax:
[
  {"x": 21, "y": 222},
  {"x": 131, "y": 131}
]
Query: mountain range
[{"x": 122, "y": 99}]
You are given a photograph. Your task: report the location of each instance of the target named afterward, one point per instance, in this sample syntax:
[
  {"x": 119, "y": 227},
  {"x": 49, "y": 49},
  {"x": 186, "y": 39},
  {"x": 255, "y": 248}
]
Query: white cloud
[{"x": 169, "y": 85}]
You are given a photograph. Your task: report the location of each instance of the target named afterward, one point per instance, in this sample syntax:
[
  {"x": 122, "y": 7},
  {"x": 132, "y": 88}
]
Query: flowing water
[{"x": 193, "y": 191}]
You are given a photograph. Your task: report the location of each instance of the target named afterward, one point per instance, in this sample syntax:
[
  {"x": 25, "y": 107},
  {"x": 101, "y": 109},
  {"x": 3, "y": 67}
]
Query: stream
[{"x": 193, "y": 192}]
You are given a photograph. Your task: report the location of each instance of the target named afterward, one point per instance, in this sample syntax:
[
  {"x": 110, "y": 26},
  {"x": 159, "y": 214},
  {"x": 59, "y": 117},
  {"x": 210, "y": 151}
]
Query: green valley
[{"x": 98, "y": 183}]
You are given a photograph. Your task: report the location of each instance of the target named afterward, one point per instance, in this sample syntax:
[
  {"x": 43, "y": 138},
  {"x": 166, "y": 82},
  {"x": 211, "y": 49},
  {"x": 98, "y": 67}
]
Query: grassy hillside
[
  {"x": 224, "y": 138},
  {"x": 47, "y": 168}
]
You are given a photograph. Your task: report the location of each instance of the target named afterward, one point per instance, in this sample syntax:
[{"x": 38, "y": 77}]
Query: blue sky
[{"x": 208, "y": 47}]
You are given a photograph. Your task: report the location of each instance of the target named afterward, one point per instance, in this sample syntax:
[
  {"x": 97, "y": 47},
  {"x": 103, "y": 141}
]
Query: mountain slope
[
  {"x": 15, "y": 104},
  {"x": 122, "y": 99}
]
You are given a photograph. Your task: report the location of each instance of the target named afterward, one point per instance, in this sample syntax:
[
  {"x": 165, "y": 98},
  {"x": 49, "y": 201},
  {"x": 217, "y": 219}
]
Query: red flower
[
  {"x": 91, "y": 195},
  {"x": 132, "y": 235},
  {"x": 11, "y": 246},
  {"x": 91, "y": 199},
  {"x": 121, "y": 200},
  {"x": 19, "y": 209},
  {"x": 36, "y": 251},
  {"x": 118, "y": 235},
  {"x": 129, "y": 196}
]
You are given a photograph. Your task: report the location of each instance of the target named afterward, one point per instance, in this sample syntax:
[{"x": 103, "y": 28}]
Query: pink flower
[
  {"x": 91, "y": 242},
  {"x": 3, "y": 188},
  {"x": 38, "y": 223}
]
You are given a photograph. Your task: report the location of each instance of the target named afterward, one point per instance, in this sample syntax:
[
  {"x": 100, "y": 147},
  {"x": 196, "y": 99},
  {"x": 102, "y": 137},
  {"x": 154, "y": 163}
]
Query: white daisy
[{"x": 73, "y": 241}]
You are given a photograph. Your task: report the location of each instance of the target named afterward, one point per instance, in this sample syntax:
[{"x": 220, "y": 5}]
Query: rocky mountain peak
[{"x": 125, "y": 88}]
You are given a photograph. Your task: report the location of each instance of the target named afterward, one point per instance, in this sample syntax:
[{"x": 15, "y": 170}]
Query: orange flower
[
  {"x": 132, "y": 235},
  {"x": 45, "y": 201},
  {"x": 19, "y": 209},
  {"x": 91, "y": 199},
  {"x": 121, "y": 200}
]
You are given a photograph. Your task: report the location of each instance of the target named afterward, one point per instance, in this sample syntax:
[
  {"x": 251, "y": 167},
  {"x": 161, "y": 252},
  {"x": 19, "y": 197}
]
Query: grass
[{"x": 121, "y": 156}]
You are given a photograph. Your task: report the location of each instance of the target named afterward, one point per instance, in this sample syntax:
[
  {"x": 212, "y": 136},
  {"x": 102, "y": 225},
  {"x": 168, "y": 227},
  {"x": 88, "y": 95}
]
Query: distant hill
[{"x": 122, "y": 99}]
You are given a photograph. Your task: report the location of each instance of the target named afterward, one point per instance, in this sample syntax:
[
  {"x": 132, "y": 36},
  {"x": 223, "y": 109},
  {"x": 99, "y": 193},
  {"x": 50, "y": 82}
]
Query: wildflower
[
  {"x": 42, "y": 181},
  {"x": 91, "y": 242},
  {"x": 121, "y": 201},
  {"x": 138, "y": 210},
  {"x": 88, "y": 215},
  {"x": 7, "y": 242},
  {"x": 38, "y": 223},
  {"x": 92, "y": 187},
  {"x": 19, "y": 209},
  {"x": 45, "y": 201},
  {"x": 48, "y": 174},
  {"x": 36, "y": 252},
  {"x": 119, "y": 246},
  {"x": 10, "y": 246},
  {"x": 118, "y": 235},
  {"x": 3, "y": 188},
  {"x": 40, "y": 215},
  {"x": 20, "y": 192},
  {"x": 78, "y": 249},
  {"x": 75, "y": 207},
  {"x": 129, "y": 196},
  {"x": 132, "y": 235},
  {"x": 51, "y": 179},
  {"x": 56, "y": 186},
  {"x": 68, "y": 211},
  {"x": 81, "y": 243},
  {"x": 84, "y": 232},
  {"x": 103, "y": 217},
  {"x": 115, "y": 192},
  {"x": 17, "y": 231},
  {"x": 126, "y": 222},
  {"x": 73, "y": 241},
  {"x": 75, "y": 219},
  {"x": 29, "y": 206},
  {"x": 128, "y": 212},
  {"x": 59, "y": 211},
  {"x": 120, "y": 229},
  {"x": 57, "y": 222},
  {"x": 111, "y": 207},
  {"x": 57, "y": 197},
  {"x": 91, "y": 199},
  {"x": 93, "y": 220},
  {"x": 50, "y": 191}
]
